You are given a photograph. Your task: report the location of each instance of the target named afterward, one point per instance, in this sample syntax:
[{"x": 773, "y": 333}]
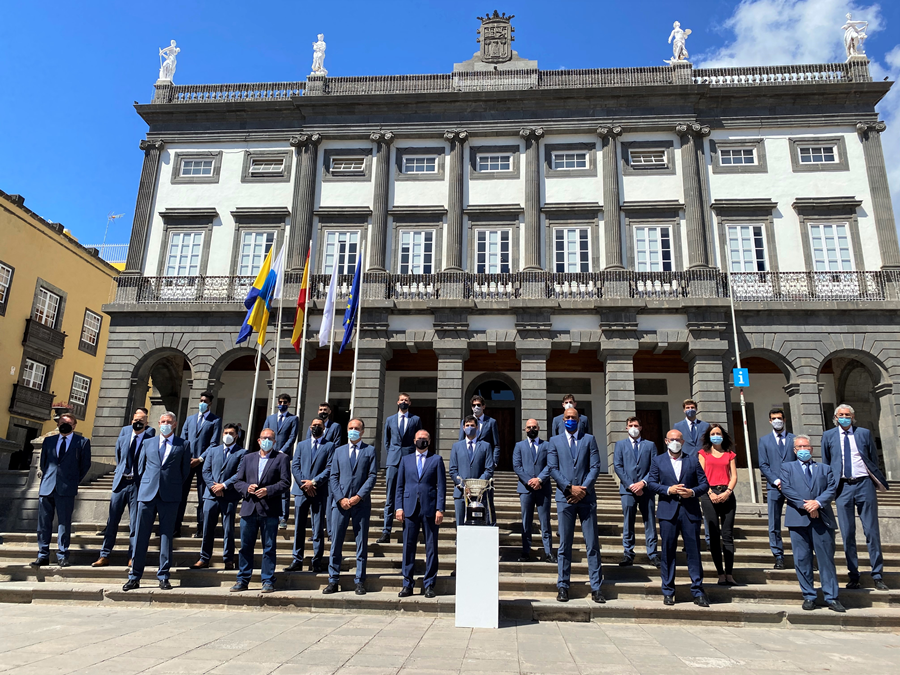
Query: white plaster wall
[
  {"x": 421, "y": 192},
  {"x": 766, "y": 391},
  {"x": 495, "y": 190},
  {"x": 643, "y": 187}
]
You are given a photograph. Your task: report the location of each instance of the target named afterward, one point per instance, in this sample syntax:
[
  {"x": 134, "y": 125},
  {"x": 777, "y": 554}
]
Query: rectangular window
[
  {"x": 570, "y": 160},
  {"x": 46, "y": 308},
  {"x": 5, "y": 281},
  {"x": 254, "y": 247},
  {"x": 344, "y": 246},
  {"x": 345, "y": 165},
  {"x": 648, "y": 158},
  {"x": 573, "y": 249},
  {"x": 492, "y": 252},
  {"x": 183, "y": 259},
  {"x": 419, "y": 164},
  {"x": 266, "y": 166},
  {"x": 197, "y": 167},
  {"x": 653, "y": 249},
  {"x": 737, "y": 156},
  {"x": 746, "y": 248},
  {"x": 34, "y": 374},
  {"x": 830, "y": 247},
  {"x": 416, "y": 251},
  {"x": 81, "y": 388},
  {"x": 90, "y": 331},
  {"x": 818, "y": 154},
  {"x": 499, "y": 162}
]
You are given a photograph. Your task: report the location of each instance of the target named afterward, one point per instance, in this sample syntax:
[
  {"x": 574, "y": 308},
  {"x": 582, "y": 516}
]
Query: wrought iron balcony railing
[{"x": 48, "y": 340}]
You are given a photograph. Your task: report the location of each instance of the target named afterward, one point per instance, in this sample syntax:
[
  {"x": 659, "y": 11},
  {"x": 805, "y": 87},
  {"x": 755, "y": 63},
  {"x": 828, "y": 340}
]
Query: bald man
[{"x": 530, "y": 465}]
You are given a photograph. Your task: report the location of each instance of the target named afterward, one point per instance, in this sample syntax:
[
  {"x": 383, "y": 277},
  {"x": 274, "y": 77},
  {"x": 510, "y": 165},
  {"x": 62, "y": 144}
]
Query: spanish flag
[
  {"x": 259, "y": 299},
  {"x": 302, "y": 299}
]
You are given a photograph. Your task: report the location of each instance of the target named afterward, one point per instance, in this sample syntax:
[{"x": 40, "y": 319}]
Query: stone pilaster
[
  {"x": 533, "y": 358},
  {"x": 887, "y": 424},
  {"x": 378, "y": 238},
  {"x": 532, "y": 234},
  {"x": 369, "y": 401},
  {"x": 696, "y": 213},
  {"x": 617, "y": 357},
  {"x": 454, "y": 255},
  {"x": 140, "y": 229},
  {"x": 804, "y": 394},
  {"x": 304, "y": 200},
  {"x": 452, "y": 356},
  {"x": 708, "y": 383},
  {"x": 612, "y": 201},
  {"x": 883, "y": 210}
]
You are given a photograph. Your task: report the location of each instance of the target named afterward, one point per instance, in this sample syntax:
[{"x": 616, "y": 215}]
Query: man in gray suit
[
  {"x": 775, "y": 450},
  {"x": 286, "y": 426},
  {"x": 632, "y": 458},
  {"x": 200, "y": 431},
  {"x": 470, "y": 458},
  {"x": 354, "y": 468},
  {"x": 399, "y": 440},
  {"x": 530, "y": 465}
]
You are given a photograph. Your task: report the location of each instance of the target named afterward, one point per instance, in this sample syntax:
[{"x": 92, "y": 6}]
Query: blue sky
[{"x": 69, "y": 134}]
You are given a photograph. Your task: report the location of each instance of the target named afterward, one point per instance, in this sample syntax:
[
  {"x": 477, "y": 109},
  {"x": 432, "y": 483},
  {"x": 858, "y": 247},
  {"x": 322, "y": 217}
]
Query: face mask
[
  {"x": 674, "y": 447},
  {"x": 323, "y": 416},
  {"x": 715, "y": 440},
  {"x": 266, "y": 444},
  {"x": 690, "y": 413},
  {"x": 353, "y": 435},
  {"x": 532, "y": 433},
  {"x": 283, "y": 407},
  {"x": 777, "y": 424},
  {"x": 165, "y": 429},
  {"x": 403, "y": 405},
  {"x": 65, "y": 428},
  {"x": 421, "y": 444},
  {"x": 571, "y": 425},
  {"x": 566, "y": 406},
  {"x": 476, "y": 410},
  {"x": 204, "y": 406},
  {"x": 229, "y": 439},
  {"x": 470, "y": 431},
  {"x": 634, "y": 432},
  {"x": 138, "y": 426},
  {"x": 317, "y": 431},
  {"x": 845, "y": 422},
  {"x": 804, "y": 455}
]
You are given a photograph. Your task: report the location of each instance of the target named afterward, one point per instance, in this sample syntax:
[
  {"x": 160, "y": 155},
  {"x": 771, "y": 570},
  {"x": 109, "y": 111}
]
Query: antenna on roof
[{"x": 109, "y": 218}]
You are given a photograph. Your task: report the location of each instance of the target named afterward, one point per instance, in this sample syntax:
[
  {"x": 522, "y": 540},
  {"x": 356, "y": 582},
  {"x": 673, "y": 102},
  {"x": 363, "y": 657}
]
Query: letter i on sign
[{"x": 741, "y": 377}]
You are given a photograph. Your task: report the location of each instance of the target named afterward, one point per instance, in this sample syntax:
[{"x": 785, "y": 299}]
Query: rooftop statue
[
  {"x": 679, "y": 51},
  {"x": 854, "y": 36},
  {"x": 167, "y": 67},
  {"x": 318, "y": 64}
]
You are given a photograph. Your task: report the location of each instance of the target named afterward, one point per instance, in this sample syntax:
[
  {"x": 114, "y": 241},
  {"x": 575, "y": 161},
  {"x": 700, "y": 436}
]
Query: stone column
[
  {"x": 707, "y": 375},
  {"x": 140, "y": 229},
  {"x": 532, "y": 234},
  {"x": 304, "y": 200},
  {"x": 888, "y": 428},
  {"x": 695, "y": 211},
  {"x": 804, "y": 394},
  {"x": 533, "y": 358},
  {"x": 382, "y": 140},
  {"x": 454, "y": 254},
  {"x": 883, "y": 210},
  {"x": 452, "y": 355},
  {"x": 618, "y": 386},
  {"x": 612, "y": 202},
  {"x": 369, "y": 401}
]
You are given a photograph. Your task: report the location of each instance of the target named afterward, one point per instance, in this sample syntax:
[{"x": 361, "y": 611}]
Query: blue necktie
[
  {"x": 129, "y": 460},
  {"x": 637, "y": 450},
  {"x": 421, "y": 464},
  {"x": 62, "y": 450},
  {"x": 162, "y": 451},
  {"x": 535, "y": 445},
  {"x": 573, "y": 447},
  {"x": 807, "y": 474},
  {"x": 781, "y": 445},
  {"x": 315, "y": 447},
  {"x": 848, "y": 463},
  {"x": 471, "y": 452}
]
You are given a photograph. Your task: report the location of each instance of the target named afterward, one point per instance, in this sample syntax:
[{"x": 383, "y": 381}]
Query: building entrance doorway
[{"x": 502, "y": 400}]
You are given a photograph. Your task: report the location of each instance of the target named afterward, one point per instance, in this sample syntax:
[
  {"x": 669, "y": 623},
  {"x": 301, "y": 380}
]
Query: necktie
[
  {"x": 162, "y": 450},
  {"x": 781, "y": 444},
  {"x": 280, "y": 420},
  {"x": 402, "y": 425},
  {"x": 471, "y": 452},
  {"x": 421, "y": 464},
  {"x": 637, "y": 449},
  {"x": 807, "y": 474},
  {"x": 535, "y": 446},
  {"x": 353, "y": 456},
  {"x": 62, "y": 448},
  {"x": 315, "y": 446},
  {"x": 693, "y": 432},
  {"x": 573, "y": 447},
  {"x": 129, "y": 460},
  {"x": 848, "y": 463}
]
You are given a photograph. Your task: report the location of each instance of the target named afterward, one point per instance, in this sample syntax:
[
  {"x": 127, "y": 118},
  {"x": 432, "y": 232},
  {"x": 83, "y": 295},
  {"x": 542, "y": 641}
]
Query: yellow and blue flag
[
  {"x": 259, "y": 299},
  {"x": 352, "y": 306}
]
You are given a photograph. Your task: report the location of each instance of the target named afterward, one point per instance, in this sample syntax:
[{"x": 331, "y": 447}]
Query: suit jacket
[
  {"x": 305, "y": 466},
  {"x": 346, "y": 481},
  {"x": 63, "y": 474},
  {"x": 123, "y": 444},
  {"x": 332, "y": 433},
  {"x": 771, "y": 460},
  {"x": 488, "y": 433},
  {"x": 559, "y": 425},
  {"x": 631, "y": 469},
  {"x": 662, "y": 477},
  {"x": 528, "y": 466},
  {"x": 199, "y": 437},
  {"x": 833, "y": 454},
  {"x": 164, "y": 479},
  {"x": 583, "y": 470},
  {"x": 217, "y": 469},
  {"x": 692, "y": 445},
  {"x": 286, "y": 435},
  {"x": 395, "y": 444},
  {"x": 796, "y": 491},
  {"x": 428, "y": 492},
  {"x": 481, "y": 466},
  {"x": 276, "y": 479}
]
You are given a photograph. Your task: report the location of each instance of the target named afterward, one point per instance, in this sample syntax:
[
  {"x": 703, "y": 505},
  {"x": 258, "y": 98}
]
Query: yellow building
[{"x": 53, "y": 333}]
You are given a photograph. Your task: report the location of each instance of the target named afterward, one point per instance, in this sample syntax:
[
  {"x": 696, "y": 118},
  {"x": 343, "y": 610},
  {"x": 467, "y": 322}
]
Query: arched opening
[
  {"x": 769, "y": 373},
  {"x": 236, "y": 371},
  {"x": 502, "y": 399},
  {"x": 160, "y": 385}
]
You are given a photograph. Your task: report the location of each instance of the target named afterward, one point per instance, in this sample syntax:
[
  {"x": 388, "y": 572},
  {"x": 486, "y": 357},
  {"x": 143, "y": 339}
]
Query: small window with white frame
[
  {"x": 497, "y": 162},
  {"x": 90, "y": 331},
  {"x": 6, "y": 274},
  {"x": 34, "y": 375},
  {"x": 183, "y": 257},
  {"x": 737, "y": 156},
  {"x": 492, "y": 251},
  {"x": 197, "y": 167},
  {"x": 255, "y": 245},
  {"x": 81, "y": 389},
  {"x": 420, "y": 164},
  {"x": 653, "y": 248},
  {"x": 46, "y": 307},
  {"x": 416, "y": 254},
  {"x": 266, "y": 166},
  {"x": 648, "y": 158},
  {"x": 572, "y": 248},
  {"x": 831, "y": 247},
  {"x": 747, "y": 248},
  {"x": 348, "y": 166},
  {"x": 568, "y": 160},
  {"x": 818, "y": 154},
  {"x": 344, "y": 246}
]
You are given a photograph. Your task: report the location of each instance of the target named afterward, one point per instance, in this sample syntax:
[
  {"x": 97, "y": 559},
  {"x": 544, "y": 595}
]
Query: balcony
[
  {"x": 44, "y": 339},
  {"x": 31, "y": 403}
]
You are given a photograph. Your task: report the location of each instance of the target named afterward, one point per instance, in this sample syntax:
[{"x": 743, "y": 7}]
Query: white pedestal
[{"x": 477, "y": 576}]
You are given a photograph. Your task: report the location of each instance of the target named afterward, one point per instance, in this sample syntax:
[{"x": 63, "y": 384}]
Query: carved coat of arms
[{"x": 496, "y": 37}]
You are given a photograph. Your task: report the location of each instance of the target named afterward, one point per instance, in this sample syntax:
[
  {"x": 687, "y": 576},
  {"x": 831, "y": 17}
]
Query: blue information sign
[{"x": 741, "y": 377}]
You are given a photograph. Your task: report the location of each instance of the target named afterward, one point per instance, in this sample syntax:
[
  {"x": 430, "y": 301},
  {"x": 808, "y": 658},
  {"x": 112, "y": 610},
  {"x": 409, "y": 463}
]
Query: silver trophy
[{"x": 474, "y": 490}]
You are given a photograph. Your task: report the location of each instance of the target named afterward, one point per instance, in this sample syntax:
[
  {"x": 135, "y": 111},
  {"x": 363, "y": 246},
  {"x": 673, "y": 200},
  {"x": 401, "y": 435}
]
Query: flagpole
[
  {"x": 287, "y": 240},
  {"x": 330, "y": 360},
  {"x": 303, "y": 339},
  {"x": 362, "y": 266},
  {"x": 253, "y": 397}
]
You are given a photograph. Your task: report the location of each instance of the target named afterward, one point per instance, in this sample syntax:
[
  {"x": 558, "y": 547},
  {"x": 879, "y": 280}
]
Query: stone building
[{"x": 527, "y": 234}]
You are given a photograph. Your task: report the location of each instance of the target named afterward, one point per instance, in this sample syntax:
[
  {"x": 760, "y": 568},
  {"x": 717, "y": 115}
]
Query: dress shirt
[
  {"x": 569, "y": 438},
  {"x": 167, "y": 441},
  {"x": 856, "y": 461},
  {"x": 676, "y": 464},
  {"x": 228, "y": 449},
  {"x": 262, "y": 465},
  {"x": 807, "y": 476},
  {"x": 137, "y": 437},
  {"x": 783, "y": 436},
  {"x": 354, "y": 453},
  {"x": 401, "y": 423},
  {"x": 480, "y": 421},
  {"x": 421, "y": 456},
  {"x": 63, "y": 443}
]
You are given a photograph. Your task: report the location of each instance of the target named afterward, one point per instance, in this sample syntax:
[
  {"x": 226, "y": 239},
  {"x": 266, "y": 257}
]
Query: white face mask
[
  {"x": 674, "y": 447},
  {"x": 229, "y": 439},
  {"x": 634, "y": 432},
  {"x": 566, "y": 406},
  {"x": 777, "y": 424},
  {"x": 476, "y": 410}
]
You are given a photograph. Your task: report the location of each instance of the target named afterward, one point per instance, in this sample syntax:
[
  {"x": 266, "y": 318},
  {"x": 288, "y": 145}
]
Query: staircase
[{"x": 527, "y": 590}]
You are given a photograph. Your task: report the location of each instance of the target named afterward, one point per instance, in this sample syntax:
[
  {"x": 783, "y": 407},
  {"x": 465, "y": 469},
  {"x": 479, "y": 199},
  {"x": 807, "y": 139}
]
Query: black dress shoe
[
  {"x": 229, "y": 566},
  {"x": 295, "y": 566},
  {"x": 626, "y": 562},
  {"x": 779, "y": 563},
  {"x": 319, "y": 566},
  {"x": 597, "y": 597},
  {"x": 668, "y": 599},
  {"x": 385, "y": 538},
  {"x": 63, "y": 562},
  {"x": 360, "y": 589},
  {"x": 701, "y": 600},
  {"x": 523, "y": 558},
  {"x": 405, "y": 592},
  {"x": 41, "y": 562},
  {"x": 562, "y": 595},
  {"x": 809, "y": 605},
  {"x": 550, "y": 558},
  {"x": 330, "y": 588},
  {"x": 656, "y": 562},
  {"x": 836, "y": 606},
  {"x": 852, "y": 585},
  {"x": 165, "y": 585},
  {"x": 881, "y": 586},
  {"x": 197, "y": 535},
  {"x": 238, "y": 587},
  {"x": 131, "y": 584},
  {"x": 429, "y": 592}
]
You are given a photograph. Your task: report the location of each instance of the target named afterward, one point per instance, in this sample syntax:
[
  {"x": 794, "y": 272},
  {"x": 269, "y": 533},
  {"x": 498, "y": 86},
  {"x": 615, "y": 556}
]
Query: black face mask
[
  {"x": 138, "y": 426},
  {"x": 404, "y": 406},
  {"x": 323, "y": 416},
  {"x": 421, "y": 443},
  {"x": 532, "y": 433},
  {"x": 317, "y": 431},
  {"x": 65, "y": 428}
]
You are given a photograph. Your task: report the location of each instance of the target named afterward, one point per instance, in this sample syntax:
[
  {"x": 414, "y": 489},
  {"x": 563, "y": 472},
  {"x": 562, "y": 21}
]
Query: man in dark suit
[
  {"x": 164, "y": 466},
  {"x": 125, "y": 484},
  {"x": 65, "y": 461},
  {"x": 679, "y": 480},
  {"x": 399, "y": 438},
  {"x": 470, "y": 458},
  {"x": 558, "y": 426},
  {"x": 691, "y": 428},
  {"x": 332, "y": 435},
  {"x": 850, "y": 452},
  {"x": 354, "y": 468},
  {"x": 200, "y": 431},
  {"x": 632, "y": 457},
  {"x": 775, "y": 450},
  {"x": 421, "y": 494},
  {"x": 574, "y": 462},
  {"x": 286, "y": 427},
  {"x": 220, "y": 465},
  {"x": 530, "y": 465},
  {"x": 488, "y": 431},
  {"x": 261, "y": 479},
  {"x": 808, "y": 489},
  {"x": 310, "y": 468}
]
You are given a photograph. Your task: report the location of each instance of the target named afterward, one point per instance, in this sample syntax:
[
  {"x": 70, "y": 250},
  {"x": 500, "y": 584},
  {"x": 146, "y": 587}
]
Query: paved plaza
[{"x": 64, "y": 639}]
